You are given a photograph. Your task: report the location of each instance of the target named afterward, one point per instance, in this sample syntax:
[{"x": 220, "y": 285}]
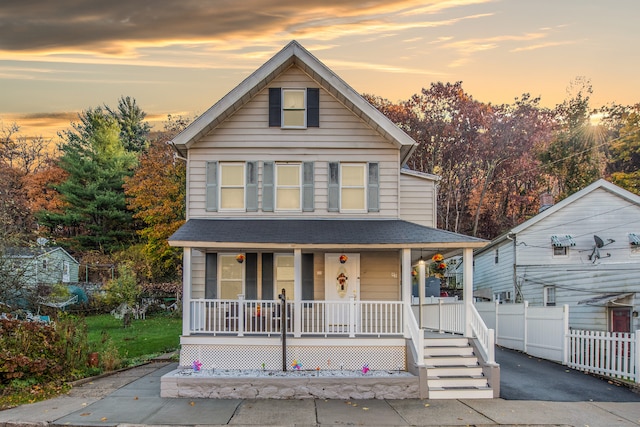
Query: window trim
[
  {"x": 284, "y": 109},
  {"x": 364, "y": 187},
  {"x": 221, "y": 186},
  {"x": 546, "y": 301},
  {"x": 276, "y": 186},
  {"x": 242, "y": 280}
]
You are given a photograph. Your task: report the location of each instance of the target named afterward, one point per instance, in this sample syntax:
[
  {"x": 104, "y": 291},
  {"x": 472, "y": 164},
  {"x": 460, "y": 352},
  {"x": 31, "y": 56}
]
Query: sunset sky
[{"x": 179, "y": 57}]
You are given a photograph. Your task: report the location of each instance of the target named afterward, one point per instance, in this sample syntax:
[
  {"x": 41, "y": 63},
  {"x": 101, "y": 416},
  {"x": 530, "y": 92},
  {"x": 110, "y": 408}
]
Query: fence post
[
  {"x": 497, "y": 319},
  {"x": 525, "y": 325},
  {"x": 636, "y": 351},
  {"x": 440, "y": 316},
  {"x": 352, "y": 316},
  {"x": 565, "y": 327},
  {"x": 240, "y": 315}
]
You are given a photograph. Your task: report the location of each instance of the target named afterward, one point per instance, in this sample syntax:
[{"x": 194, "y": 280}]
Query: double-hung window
[
  {"x": 232, "y": 186},
  {"x": 294, "y": 113},
  {"x": 294, "y": 108},
  {"x": 353, "y": 194},
  {"x": 231, "y": 277},
  {"x": 288, "y": 186}
]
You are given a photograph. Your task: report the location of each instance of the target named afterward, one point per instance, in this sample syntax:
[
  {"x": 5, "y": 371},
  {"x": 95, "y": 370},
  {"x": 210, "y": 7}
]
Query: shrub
[{"x": 37, "y": 351}]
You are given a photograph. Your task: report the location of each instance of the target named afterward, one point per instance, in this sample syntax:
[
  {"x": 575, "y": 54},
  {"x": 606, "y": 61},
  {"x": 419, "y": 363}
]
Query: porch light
[
  {"x": 240, "y": 258},
  {"x": 343, "y": 258}
]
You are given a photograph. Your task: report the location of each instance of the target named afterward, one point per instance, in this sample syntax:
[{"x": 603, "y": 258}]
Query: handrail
[
  {"x": 485, "y": 336},
  {"x": 416, "y": 334}
]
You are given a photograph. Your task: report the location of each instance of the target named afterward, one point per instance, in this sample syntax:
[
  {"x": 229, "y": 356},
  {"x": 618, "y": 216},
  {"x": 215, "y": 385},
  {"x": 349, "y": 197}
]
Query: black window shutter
[
  {"x": 307, "y": 277},
  {"x": 211, "y": 276},
  {"x": 251, "y": 276},
  {"x": 275, "y": 107},
  {"x": 313, "y": 107},
  {"x": 267, "y": 276},
  {"x": 267, "y": 186},
  {"x": 373, "y": 187},
  {"x": 334, "y": 187},
  {"x": 307, "y": 187}
]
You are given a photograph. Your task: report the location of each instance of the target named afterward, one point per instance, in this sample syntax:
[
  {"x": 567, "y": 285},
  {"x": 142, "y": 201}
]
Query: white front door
[{"x": 342, "y": 281}]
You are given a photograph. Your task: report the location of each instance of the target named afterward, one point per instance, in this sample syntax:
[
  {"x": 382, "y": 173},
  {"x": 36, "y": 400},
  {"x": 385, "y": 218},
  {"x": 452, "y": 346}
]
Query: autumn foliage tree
[{"x": 156, "y": 193}]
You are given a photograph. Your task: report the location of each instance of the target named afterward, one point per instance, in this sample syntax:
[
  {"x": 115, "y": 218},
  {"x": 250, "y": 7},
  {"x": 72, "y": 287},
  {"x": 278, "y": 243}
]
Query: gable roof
[
  {"x": 294, "y": 54},
  {"x": 36, "y": 252},
  {"x": 599, "y": 184}
]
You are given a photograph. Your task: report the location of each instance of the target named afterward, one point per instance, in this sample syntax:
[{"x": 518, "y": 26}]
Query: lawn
[{"x": 155, "y": 335}]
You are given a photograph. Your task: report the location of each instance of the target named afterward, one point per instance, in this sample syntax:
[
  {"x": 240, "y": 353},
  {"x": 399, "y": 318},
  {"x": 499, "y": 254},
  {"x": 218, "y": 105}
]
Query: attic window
[
  {"x": 294, "y": 108},
  {"x": 562, "y": 241}
]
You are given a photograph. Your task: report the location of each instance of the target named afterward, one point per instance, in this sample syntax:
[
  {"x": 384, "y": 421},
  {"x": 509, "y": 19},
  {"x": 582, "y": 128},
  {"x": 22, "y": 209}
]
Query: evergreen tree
[{"x": 94, "y": 215}]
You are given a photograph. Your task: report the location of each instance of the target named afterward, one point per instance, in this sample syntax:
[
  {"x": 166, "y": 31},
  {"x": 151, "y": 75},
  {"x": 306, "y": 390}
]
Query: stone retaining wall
[{"x": 290, "y": 388}]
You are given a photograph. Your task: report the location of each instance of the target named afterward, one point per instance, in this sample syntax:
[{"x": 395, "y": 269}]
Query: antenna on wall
[{"x": 595, "y": 254}]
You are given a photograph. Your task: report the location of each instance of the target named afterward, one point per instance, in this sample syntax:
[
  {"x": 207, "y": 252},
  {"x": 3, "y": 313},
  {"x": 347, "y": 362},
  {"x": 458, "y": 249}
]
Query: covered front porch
[{"x": 339, "y": 293}]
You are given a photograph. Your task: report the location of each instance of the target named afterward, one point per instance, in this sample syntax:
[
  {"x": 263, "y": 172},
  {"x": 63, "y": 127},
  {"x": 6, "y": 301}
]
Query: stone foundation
[{"x": 173, "y": 385}]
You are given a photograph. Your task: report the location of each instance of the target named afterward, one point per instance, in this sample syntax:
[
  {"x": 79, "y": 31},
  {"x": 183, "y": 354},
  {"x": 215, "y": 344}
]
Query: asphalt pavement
[{"x": 132, "y": 398}]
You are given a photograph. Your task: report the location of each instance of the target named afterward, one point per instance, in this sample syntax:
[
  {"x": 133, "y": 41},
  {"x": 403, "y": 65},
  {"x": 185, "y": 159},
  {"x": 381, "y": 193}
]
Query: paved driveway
[{"x": 523, "y": 377}]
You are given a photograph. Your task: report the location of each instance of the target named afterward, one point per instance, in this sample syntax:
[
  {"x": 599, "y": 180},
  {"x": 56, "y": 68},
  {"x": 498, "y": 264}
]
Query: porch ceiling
[{"x": 316, "y": 233}]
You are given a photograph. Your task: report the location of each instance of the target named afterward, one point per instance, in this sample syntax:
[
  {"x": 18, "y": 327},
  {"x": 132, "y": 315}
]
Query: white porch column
[
  {"x": 467, "y": 284},
  {"x": 297, "y": 292},
  {"x": 422, "y": 278},
  {"x": 406, "y": 287},
  {"x": 186, "y": 291}
]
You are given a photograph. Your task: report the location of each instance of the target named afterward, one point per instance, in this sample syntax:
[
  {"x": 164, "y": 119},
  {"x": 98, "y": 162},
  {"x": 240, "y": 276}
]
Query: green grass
[{"x": 155, "y": 335}]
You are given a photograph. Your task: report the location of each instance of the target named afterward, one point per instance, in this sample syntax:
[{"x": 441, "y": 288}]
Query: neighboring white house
[
  {"x": 583, "y": 251},
  {"x": 296, "y": 183},
  {"x": 44, "y": 265}
]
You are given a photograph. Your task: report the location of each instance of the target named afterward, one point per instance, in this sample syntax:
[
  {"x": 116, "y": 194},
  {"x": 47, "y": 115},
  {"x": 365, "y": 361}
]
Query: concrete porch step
[
  {"x": 460, "y": 393},
  {"x": 451, "y": 361},
  {"x": 448, "y": 351},
  {"x": 457, "y": 382}
]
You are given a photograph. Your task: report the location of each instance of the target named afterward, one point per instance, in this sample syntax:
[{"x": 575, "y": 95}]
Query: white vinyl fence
[
  {"x": 538, "y": 331},
  {"x": 612, "y": 354}
]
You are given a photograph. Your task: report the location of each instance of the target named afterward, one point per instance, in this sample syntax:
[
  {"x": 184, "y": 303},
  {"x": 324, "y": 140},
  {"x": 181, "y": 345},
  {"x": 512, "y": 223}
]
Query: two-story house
[
  {"x": 302, "y": 217},
  {"x": 583, "y": 252}
]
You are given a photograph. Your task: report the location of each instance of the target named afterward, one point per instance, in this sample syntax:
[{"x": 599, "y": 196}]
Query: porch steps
[{"x": 453, "y": 371}]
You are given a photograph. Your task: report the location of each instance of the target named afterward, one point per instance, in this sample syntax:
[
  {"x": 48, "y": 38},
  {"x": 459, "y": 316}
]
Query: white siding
[
  {"x": 342, "y": 136},
  {"x": 417, "y": 200},
  {"x": 498, "y": 277},
  {"x": 575, "y": 277}
]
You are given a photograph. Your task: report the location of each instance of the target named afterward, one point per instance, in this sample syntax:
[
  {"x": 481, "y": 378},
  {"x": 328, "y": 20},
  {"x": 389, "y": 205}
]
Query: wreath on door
[{"x": 342, "y": 282}]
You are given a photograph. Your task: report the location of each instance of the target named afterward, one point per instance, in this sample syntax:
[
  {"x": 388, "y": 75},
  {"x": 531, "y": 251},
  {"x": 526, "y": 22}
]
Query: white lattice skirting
[{"x": 225, "y": 356}]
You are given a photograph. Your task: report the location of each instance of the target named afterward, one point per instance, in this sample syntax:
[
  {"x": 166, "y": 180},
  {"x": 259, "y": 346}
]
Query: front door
[
  {"x": 342, "y": 281},
  {"x": 620, "y": 320}
]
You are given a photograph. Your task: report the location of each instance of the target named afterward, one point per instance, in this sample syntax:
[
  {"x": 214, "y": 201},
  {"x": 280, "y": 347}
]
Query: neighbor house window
[
  {"x": 294, "y": 110},
  {"x": 232, "y": 186},
  {"x": 284, "y": 275},
  {"x": 549, "y": 296},
  {"x": 44, "y": 264},
  {"x": 231, "y": 276},
  {"x": 288, "y": 187},
  {"x": 353, "y": 187},
  {"x": 496, "y": 258},
  {"x": 561, "y": 245}
]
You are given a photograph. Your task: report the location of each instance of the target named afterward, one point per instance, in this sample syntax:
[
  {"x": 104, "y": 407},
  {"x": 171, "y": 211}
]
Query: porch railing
[
  {"x": 320, "y": 318},
  {"x": 485, "y": 336}
]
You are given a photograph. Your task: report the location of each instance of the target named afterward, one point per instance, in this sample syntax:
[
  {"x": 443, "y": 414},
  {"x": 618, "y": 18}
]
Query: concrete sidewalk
[{"x": 132, "y": 397}]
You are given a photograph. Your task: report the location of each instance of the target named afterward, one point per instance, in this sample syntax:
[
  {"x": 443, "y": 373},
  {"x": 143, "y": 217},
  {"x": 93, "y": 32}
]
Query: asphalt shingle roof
[{"x": 316, "y": 231}]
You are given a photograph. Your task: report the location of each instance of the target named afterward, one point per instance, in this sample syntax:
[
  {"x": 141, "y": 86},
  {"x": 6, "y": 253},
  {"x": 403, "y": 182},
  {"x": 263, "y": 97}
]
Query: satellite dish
[
  {"x": 42, "y": 241},
  {"x": 599, "y": 241}
]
